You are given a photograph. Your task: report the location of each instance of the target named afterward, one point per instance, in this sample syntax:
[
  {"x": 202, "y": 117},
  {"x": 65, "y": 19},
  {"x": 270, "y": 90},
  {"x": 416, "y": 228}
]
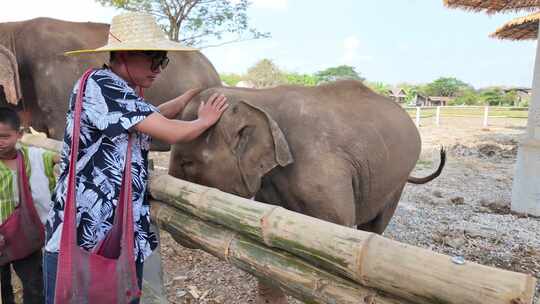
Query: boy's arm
[{"x": 50, "y": 159}]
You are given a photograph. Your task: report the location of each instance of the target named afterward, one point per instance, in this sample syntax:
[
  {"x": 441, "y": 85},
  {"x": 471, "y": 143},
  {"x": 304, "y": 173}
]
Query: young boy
[{"x": 39, "y": 167}]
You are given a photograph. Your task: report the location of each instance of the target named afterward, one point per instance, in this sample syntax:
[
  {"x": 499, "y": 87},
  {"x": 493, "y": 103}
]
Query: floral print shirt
[{"x": 110, "y": 110}]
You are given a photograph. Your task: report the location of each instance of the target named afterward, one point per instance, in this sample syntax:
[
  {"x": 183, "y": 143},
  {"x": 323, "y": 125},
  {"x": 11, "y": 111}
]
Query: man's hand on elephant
[
  {"x": 210, "y": 111},
  {"x": 173, "y": 131}
]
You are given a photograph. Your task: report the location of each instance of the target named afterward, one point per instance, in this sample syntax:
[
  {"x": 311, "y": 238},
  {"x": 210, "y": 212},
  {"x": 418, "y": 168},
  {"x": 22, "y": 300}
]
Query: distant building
[
  {"x": 420, "y": 100},
  {"x": 435, "y": 101},
  {"x": 521, "y": 92},
  {"x": 397, "y": 94}
]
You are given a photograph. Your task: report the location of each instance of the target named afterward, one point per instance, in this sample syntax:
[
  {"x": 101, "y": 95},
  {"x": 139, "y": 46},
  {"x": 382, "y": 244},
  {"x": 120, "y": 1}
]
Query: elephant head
[
  {"x": 235, "y": 153},
  {"x": 9, "y": 76}
]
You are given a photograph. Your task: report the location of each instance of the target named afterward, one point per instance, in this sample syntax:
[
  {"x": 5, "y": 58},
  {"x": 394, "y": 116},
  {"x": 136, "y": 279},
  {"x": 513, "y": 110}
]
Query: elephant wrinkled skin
[{"x": 337, "y": 152}]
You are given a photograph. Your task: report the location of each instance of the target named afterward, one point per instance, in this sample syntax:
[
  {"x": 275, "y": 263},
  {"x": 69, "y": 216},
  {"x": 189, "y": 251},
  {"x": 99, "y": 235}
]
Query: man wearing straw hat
[{"x": 112, "y": 107}]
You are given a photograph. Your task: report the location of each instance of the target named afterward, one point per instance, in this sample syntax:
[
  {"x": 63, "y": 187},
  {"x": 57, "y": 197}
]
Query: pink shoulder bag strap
[{"x": 106, "y": 275}]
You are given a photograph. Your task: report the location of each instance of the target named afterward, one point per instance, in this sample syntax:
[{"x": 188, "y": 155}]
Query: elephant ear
[
  {"x": 9, "y": 76},
  {"x": 258, "y": 143}
]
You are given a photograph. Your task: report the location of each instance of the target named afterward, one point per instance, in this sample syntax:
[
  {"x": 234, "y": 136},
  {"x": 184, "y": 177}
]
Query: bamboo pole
[
  {"x": 298, "y": 278},
  {"x": 416, "y": 274}
]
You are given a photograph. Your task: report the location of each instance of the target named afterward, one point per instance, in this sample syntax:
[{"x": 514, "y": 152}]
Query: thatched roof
[
  {"x": 397, "y": 92},
  {"x": 519, "y": 29},
  {"x": 493, "y": 6}
]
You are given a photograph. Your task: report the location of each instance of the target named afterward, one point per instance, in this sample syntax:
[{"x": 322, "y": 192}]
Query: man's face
[
  {"x": 144, "y": 67},
  {"x": 8, "y": 140}
]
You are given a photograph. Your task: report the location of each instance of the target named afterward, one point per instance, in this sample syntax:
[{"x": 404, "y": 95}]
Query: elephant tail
[{"x": 423, "y": 180}]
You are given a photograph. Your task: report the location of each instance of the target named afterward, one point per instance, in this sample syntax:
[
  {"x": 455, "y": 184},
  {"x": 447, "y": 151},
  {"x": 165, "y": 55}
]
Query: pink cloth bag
[
  {"x": 107, "y": 274},
  {"x": 23, "y": 231}
]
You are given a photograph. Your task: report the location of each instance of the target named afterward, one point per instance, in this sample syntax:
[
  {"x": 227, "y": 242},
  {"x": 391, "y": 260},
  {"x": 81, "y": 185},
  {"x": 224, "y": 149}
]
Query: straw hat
[{"x": 136, "y": 31}]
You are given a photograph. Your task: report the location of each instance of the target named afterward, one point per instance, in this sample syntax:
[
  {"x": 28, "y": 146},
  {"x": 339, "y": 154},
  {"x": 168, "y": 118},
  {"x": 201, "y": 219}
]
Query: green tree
[
  {"x": 231, "y": 79},
  {"x": 511, "y": 99},
  {"x": 194, "y": 22},
  {"x": 265, "y": 74},
  {"x": 337, "y": 73},
  {"x": 446, "y": 86},
  {"x": 468, "y": 97},
  {"x": 301, "y": 79},
  {"x": 492, "y": 97},
  {"x": 524, "y": 103},
  {"x": 378, "y": 87}
]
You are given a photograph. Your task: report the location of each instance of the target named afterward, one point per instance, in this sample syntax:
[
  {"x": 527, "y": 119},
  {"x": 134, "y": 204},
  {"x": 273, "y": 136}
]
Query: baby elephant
[{"x": 338, "y": 152}]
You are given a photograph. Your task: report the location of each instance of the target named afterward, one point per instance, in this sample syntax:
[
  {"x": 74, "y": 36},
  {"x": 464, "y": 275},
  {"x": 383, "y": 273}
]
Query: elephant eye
[
  {"x": 188, "y": 167},
  {"x": 186, "y": 163}
]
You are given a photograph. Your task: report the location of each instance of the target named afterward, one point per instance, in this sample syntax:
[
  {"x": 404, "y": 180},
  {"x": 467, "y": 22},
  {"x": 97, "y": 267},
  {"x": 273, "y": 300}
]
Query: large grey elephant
[
  {"x": 338, "y": 152},
  {"x": 35, "y": 50}
]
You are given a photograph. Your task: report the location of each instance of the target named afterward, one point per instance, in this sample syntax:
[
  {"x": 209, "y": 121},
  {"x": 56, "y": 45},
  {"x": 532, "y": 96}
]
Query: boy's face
[{"x": 8, "y": 139}]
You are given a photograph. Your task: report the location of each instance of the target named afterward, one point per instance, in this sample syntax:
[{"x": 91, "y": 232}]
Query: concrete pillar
[{"x": 526, "y": 185}]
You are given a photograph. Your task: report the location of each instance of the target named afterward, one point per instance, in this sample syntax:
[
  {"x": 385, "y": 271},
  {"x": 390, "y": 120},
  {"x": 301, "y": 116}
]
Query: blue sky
[{"x": 392, "y": 41}]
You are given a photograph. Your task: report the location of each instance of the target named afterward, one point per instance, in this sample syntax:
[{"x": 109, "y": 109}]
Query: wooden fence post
[
  {"x": 438, "y": 116},
  {"x": 417, "y": 122}
]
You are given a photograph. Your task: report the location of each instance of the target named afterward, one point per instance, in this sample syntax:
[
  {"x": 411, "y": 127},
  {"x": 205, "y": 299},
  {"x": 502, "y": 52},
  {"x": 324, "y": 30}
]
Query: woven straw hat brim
[
  {"x": 135, "y": 31},
  {"x": 168, "y": 46}
]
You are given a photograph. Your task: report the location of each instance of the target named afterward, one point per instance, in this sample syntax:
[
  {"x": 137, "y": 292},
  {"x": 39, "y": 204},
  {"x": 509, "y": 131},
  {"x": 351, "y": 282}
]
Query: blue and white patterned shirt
[{"x": 110, "y": 109}]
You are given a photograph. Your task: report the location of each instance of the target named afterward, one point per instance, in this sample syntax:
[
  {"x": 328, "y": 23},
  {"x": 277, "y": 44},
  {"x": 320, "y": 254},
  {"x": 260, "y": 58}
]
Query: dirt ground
[{"x": 465, "y": 212}]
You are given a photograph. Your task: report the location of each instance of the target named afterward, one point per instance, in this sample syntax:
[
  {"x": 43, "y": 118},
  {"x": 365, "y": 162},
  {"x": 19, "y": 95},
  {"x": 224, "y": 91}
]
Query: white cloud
[{"x": 351, "y": 51}]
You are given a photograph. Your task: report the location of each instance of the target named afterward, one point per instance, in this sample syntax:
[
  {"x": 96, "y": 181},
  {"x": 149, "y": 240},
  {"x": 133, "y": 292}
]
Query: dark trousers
[
  {"x": 29, "y": 272},
  {"x": 50, "y": 262}
]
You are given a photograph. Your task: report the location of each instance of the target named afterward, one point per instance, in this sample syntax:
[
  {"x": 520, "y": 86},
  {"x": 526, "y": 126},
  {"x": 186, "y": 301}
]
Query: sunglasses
[{"x": 159, "y": 59}]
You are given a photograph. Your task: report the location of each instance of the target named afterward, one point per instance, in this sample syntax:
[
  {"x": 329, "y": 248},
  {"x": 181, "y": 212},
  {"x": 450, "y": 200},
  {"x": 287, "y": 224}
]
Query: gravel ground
[{"x": 464, "y": 212}]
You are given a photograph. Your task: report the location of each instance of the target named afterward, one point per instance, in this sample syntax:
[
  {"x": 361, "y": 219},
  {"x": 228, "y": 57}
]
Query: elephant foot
[{"x": 270, "y": 294}]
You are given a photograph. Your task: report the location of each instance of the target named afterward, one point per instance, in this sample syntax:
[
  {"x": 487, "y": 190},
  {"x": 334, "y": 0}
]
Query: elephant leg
[
  {"x": 270, "y": 294},
  {"x": 379, "y": 223},
  {"x": 267, "y": 292},
  {"x": 314, "y": 192}
]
